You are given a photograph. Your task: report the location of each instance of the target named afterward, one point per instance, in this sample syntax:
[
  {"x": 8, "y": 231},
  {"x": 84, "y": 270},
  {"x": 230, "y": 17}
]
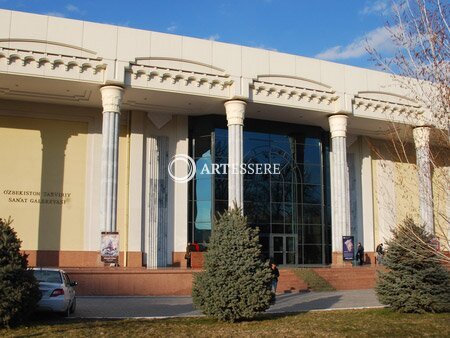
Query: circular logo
[{"x": 191, "y": 169}]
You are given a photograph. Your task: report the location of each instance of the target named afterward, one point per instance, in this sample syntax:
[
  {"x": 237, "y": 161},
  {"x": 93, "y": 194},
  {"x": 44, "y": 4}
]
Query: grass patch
[
  {"x": 371, "y": 322},
  {"x": 314, "y": 281}
]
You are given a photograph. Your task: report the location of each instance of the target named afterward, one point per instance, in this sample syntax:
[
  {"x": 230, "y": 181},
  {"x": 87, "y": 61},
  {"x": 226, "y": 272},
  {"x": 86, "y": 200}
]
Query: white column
[
  {"x": 111, "y": 100},
  {"x": 235, "y": 111},
  {"x": 422, "y": 142},
  {"x": 367, "y": 198},
  {"x": 340, "y": 204}
]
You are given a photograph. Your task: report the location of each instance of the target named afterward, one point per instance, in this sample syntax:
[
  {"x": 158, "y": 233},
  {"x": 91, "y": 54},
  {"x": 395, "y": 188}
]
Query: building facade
[{"x": 92, "y": 116}]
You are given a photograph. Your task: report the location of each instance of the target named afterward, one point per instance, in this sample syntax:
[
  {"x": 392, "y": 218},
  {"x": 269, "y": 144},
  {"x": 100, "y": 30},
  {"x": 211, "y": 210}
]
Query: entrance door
[{"x": 283, "y": 249}]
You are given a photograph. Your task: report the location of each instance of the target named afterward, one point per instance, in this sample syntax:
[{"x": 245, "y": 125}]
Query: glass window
[
  {"x": 221, "y": 189},
  {"x": 202, "y": 146},
  {"x": 313, "y": 254},
  {"x": 313, "y": 234},
  {"x": 221, "y": 148},
  {"x": 277, "y": 243},
  {"x": 203, "y": 213},
  {"x": 310, "y": 174},
  {"x": 312, "y": 194},
  {"x": 312, "y": 214},
  {"x": 308, "y": 154},
  {"x": 291, "y": 203},
  {"x": 47, "y": 276}
]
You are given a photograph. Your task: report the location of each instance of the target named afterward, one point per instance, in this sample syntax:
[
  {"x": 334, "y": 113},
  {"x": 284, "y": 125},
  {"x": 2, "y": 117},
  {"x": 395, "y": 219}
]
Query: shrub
[
  {"x": 415, "y": 281},
  {"x": 235, "y": 283},
  {"x": 19, "y": 290}
]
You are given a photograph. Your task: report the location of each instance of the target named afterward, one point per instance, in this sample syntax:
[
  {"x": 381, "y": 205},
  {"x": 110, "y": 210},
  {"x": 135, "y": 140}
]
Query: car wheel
[
  {"x": 73, "y": 306},
  {"x": 66, "y": 312}
]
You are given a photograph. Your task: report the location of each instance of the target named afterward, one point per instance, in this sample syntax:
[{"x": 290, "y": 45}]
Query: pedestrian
[
  {"x": 360, "y": 254},
  {"x": 380, "y": 254},
  {"x": 275, "y": 275},
  {"x": 187, "y": 256}
]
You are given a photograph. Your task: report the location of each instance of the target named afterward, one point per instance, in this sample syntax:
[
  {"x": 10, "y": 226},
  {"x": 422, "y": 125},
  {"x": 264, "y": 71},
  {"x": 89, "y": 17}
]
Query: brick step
[
  {"x": 288, "y": 282},
  {"x": 349, "y": 278}
]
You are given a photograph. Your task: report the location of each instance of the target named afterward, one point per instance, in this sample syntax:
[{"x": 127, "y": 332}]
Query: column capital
[
  {"x": 338, "y": 125},
  {"x": 111, "y": 98},
  {"x": 421, "y": 136},
  {"x": 235, "y": 110}
]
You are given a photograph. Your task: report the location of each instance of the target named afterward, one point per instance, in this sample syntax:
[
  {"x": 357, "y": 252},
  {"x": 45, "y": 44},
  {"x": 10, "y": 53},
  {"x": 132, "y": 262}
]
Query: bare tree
[{"x": 420, "y": 31}]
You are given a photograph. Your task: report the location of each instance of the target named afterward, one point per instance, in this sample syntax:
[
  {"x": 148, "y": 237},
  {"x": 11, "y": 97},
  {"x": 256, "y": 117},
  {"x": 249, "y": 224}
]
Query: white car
[{"x": 58, "y": 293}]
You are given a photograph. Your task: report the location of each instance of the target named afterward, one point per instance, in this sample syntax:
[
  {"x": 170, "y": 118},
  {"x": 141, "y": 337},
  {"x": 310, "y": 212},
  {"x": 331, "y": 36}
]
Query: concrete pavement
[{"x": 178, "y": 306}]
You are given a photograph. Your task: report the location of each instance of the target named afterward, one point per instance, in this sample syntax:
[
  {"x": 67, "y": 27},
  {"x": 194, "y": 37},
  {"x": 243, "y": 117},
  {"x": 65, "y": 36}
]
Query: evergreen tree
[
  {"x": 19, "y": 290},
  {"x": 414, "y": 281},
  {"x": 235, "y": 283}
]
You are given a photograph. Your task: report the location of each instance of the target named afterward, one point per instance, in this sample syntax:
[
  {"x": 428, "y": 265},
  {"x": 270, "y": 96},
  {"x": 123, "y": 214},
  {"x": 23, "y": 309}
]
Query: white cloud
[
  {"x": 72, "y": 8},
  {"x": 214, "y": 37},
  {"x": 378, "y": 39},
  {"x": 172, "y": 28},
  {"x": 380, "y": 7},
  {"x": 58, "y": 14}
]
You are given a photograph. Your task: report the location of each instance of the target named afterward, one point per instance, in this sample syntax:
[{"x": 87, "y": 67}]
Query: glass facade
[{"x": 291, "y": 209}]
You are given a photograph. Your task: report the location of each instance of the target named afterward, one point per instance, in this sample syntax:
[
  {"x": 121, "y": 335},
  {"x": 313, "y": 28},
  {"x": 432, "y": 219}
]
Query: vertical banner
[
  {"x": 348, "y": 245},
  {"x": 109, "y": 247}
]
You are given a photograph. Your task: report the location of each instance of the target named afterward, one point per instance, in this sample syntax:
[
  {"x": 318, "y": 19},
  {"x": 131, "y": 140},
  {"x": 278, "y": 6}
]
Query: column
[
  {"x": 111, "y": 100},
  {"x": 235, "y": 111},
  {"x": 422, "y": 142},
  {"x": 340, "y": 192}
]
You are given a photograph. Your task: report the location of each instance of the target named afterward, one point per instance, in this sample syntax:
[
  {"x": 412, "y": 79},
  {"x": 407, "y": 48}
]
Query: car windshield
[{"x": 47, "y": 276}]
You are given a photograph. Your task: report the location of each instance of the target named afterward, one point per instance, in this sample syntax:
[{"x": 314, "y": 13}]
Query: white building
[{"x": 92, "y": 114}]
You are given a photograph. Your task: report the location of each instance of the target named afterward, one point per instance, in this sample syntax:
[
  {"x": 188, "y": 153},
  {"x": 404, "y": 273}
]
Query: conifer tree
[
  {"x": 415, "y": 281},
  {"x": 19, "y": 290},
  {"x": 235, "y": 283}
]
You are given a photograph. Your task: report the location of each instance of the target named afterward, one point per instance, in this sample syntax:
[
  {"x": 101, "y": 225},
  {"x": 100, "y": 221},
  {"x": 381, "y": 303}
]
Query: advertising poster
[
  {"x": 348, "y": 245},
  {"x": 109, "y": 248}
]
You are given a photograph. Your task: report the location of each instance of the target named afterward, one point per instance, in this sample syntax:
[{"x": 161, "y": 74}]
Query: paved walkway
[{"x": 176, "y": 306}]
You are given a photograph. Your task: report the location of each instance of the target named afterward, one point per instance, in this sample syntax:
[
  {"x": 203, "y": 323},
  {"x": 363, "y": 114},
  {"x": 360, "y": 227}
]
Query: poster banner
[
  {"x": 109, "y": 248},
  {"x": 348, "y": 245}
]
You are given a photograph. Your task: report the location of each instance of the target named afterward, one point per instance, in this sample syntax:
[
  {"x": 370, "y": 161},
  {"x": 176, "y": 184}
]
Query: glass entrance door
[{"x": 283, "y": 249}]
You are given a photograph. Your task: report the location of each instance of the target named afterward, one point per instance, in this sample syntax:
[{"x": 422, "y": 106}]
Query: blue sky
[{"x": 334, "y": 30}]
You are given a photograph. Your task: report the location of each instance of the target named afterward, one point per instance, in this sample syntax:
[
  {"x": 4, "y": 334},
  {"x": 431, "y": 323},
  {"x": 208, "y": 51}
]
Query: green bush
[
  {"x": 414, "y": 281},
  {"x": 235, "y": 283},
  {"x": 19, "y": 290}
]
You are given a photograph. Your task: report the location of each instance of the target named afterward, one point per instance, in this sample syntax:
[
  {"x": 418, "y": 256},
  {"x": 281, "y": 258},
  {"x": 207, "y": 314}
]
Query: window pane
[
  {"x": 277, "y": 228},
  {"x": 312, "y": 194},
  {"x": 308, "y": 154},
  {"x": 290, "y": 243},
  {"x": 312, "y": 214},
  {"x": 221, "y": 189},
  {"x": 290, "y": 258},
  {"x": 202, "y": 146},
  {"x": 278, "y": 258},
  {"x": 313, "y": 234},
  {"x": 277, "y": 243},
  {"x": 311, "y": 174},
  {"x": 203, "y": 214},
  {"x": 221, "y": 148},
  {"x": 313, "y": 254}
]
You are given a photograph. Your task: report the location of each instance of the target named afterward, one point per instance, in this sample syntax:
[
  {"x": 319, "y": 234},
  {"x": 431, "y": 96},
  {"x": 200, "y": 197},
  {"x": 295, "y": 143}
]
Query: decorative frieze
[
  {"x": 14, "y": 60},
  {"x": 178, "y": 79},
  {"x": 383, "y": 106},
  {"x": 292, "y": 95}
]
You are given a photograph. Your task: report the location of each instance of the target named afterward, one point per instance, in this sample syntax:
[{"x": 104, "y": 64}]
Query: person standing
[
  {"x": 360, "y": 254},
  {"x": 380, "y": 254},
  {"x": 275, "y": 275},
  {"x": 187, "y": 256}
]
